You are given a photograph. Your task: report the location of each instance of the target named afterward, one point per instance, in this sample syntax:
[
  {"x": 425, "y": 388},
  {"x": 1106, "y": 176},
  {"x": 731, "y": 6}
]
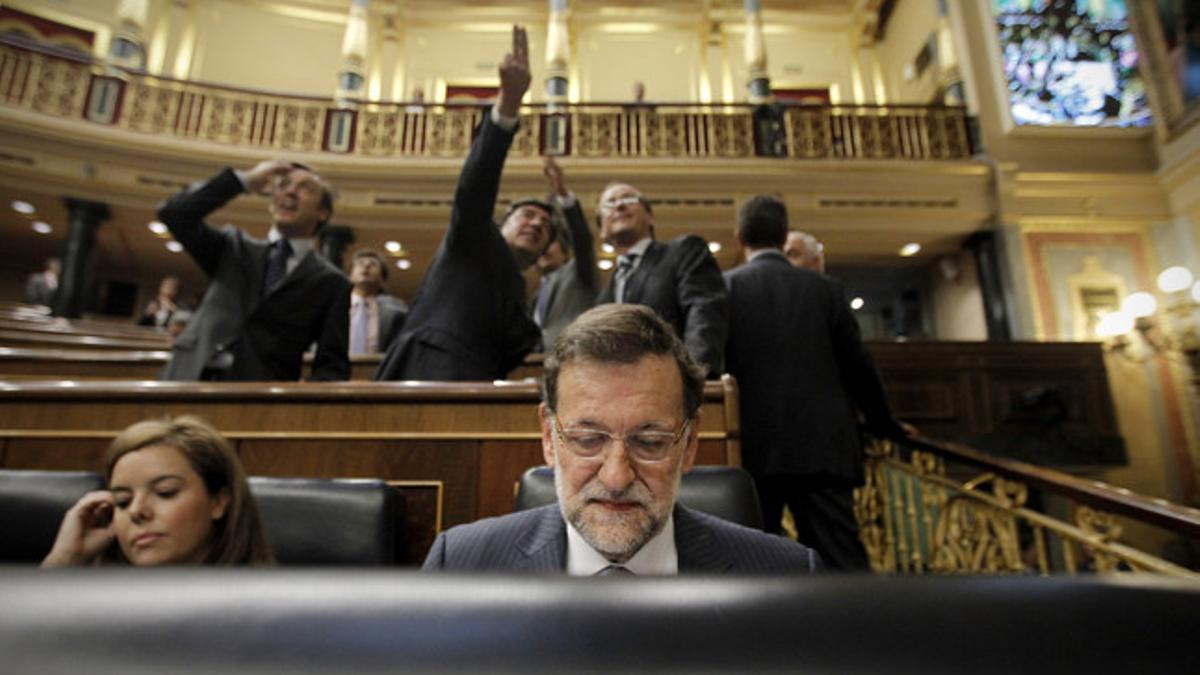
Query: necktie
[
  {"x": 539, "y": 307},
  {"x": 360, "y": 328},
  {"x": 624, "y": 267},
  {"x": 615, "y": 571},
  {"x": 276, "y": 265}
]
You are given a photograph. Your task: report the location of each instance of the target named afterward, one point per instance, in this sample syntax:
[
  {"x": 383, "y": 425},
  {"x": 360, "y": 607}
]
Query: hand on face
[
  {"x": 514, "y": 74},
  {"x": 85, "y": 533}
]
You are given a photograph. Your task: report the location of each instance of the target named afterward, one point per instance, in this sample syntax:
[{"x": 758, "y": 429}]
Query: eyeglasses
[
  {"x": 646, "y": 446},
  {"x": 612, "y": 204}
]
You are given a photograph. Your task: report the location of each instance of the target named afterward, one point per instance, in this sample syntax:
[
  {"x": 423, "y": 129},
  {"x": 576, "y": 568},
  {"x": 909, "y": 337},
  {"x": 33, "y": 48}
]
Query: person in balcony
[
  {"x": 620, "y": 418},
  {"x": 680, "y": 279},
  {"x": 803, "y": 375},
  {"x": 375, "y": 316},
  {"x": 470, "y": 320},
  {"x": 177, "y": 495},
  {"x": 267, "y": 300},
  {"x": 568, "y": 267}
]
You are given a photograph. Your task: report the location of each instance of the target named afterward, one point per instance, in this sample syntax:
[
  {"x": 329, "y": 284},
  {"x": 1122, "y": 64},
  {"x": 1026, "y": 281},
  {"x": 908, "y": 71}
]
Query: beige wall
[
  {"x": 957, "y": 299},
  {"x": 912, "y": 24}
]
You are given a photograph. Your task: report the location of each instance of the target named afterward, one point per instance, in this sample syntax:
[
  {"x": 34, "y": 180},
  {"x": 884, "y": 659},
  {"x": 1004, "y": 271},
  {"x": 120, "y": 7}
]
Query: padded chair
[
  {"x": 32, "y": 505},
  {"x": 722, "y": 491},
  {"x": 317, "y": 521}
]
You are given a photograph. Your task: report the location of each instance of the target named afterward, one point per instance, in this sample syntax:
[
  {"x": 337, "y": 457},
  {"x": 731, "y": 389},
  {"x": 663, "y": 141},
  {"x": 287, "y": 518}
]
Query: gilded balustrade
[
  {"x": 69, "y": 86},
  {"x": 918, "y": 516}
]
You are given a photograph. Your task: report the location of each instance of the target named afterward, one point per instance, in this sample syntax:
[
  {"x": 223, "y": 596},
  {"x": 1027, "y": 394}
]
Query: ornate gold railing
[
  {"x": 67, "y": 86},
  {"x": 931, "y": 507}
]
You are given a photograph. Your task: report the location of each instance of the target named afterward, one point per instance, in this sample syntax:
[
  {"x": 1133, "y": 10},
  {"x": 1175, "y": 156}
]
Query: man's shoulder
[{"x": 752, "y": 550}]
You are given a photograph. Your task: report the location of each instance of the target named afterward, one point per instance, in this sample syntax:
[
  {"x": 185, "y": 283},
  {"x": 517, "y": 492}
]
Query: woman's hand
[{"x": 85, "y": 532}]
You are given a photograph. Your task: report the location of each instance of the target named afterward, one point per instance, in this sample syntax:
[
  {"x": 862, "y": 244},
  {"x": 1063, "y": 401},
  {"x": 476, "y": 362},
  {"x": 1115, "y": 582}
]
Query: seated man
[{"x": 620, "y": 425}]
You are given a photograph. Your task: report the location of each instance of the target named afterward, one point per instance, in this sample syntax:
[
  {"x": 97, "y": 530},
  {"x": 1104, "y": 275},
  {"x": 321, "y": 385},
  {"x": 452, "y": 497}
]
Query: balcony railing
[
  {"x": 933, "y": 507},
  {"x": 68, "y": 86}
]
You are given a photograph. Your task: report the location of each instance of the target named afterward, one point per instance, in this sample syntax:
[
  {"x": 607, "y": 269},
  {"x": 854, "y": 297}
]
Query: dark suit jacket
[
  {"x": 536, "y": 541},
  {"x": 571, "y": 289},
  {"x": 801, "y": 367},
  {"x": 680, "y": 280},
  {"x": 469, "y": 320},
  {"x": 267, "y": 336}
]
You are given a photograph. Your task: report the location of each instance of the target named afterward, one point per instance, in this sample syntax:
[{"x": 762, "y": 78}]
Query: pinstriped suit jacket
[{"x": 536, "y": 541}]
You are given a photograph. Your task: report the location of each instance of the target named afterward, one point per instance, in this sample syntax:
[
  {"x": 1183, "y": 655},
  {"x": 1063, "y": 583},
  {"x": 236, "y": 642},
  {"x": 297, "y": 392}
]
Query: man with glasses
[
  {"x": 680, "y": 279},
  {"x": 620, "y": 420}
]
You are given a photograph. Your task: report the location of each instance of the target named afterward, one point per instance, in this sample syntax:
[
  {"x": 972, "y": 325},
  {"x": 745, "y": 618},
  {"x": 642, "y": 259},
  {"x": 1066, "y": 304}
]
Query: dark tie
[
  {"x": 624, "y": 267},
  {"x": 615, "y": 571},
  {"x": 277, "y": 258}
]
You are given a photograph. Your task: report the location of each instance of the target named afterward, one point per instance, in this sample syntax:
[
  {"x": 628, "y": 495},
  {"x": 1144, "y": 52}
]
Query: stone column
[
  {"x": 351, "y": 80},
  {"x": 128, "y": 47},
  {"x": 991, "y": 286},
  {"x": 758, "y": 83},
  {"x": 75, "y": 283},
  {"x": 334, "y": 240},
  {"x": 558, "y": 53}
]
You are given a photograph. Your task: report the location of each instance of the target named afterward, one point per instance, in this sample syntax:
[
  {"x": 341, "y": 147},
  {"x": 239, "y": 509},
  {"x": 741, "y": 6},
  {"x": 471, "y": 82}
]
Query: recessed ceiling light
[
  {"x": 910, "y": 249},
  {"x": 607, "y": 248},
  {"x": 393, "y": 247},
  {"x": 857, "y": 303},
  {"x": 1174, "y": 279},
  {"x": 157, "y": 227},
  {"x": 404, "y": 263},
  {"x": 22, "y": 207},
  {"x": 604, "y": 264},
  {"x": 714, "y": 246},
  {"x": 42, "y": 228},
  {"x": 174, "y": 246}
]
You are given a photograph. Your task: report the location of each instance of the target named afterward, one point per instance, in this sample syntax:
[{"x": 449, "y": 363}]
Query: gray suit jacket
[
  {"x": 266, "y": 335},
  {"x": 571, "y": 289},
  {"x": 392, "y": 311},
  {"x": 681, "y": 281},
  {"x": 536, "y": 541}
]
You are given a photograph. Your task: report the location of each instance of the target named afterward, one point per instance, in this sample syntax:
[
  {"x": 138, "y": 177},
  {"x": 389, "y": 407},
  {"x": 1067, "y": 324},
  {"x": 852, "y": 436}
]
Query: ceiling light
[
  {"x": 157, "y": 227},
  {"x": 857, "y": 303},
  {"x": 1174, "y": 279},
  {"x": 607, "y": 248},
  {"x": 1196, "y": 291},
  {"x": 42, "y": 228},
  {"x": 1139, "y": 304},
  {"x": 910, "y": 249},
  {"x": 714, "y": 246},
  {"x": 393, "y": 247},
  {"x": 404, "y": 263},
  {"x": 174, "y": 246},
  {"x": 22, "y": 207},
  {"x": 605, "y": 264},
  {"x": 1113, "y": 324}
]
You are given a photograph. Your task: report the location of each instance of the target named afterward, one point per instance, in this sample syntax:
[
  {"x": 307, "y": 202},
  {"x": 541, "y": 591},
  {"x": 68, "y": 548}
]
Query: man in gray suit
[
  {"x": 620, "y": 419},
  {"x": 267, "y": 301},
  {"x": 375, "y": 316},
  {"x": 568, "y": 267}
]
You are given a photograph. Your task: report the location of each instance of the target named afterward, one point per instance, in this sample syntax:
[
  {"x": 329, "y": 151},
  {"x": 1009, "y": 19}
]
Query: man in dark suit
[
  {"x": 267, "y": 301},
  {"x": 680, "y": 280},
  {"x": 802, "y": 373},
  {"x": 568, "y": 267},
  {"x": 470, "y": 321},
  {"x": 620, "y": 419},
  {"x": 375, "y": 316}
]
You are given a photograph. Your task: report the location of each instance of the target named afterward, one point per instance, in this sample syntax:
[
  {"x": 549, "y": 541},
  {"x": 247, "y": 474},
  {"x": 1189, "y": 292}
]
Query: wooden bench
[{"x": 457, "y": 449}]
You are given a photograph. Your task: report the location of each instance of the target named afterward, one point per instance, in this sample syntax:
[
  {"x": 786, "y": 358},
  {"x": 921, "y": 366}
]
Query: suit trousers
[{"x": 823, "y": 509}]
